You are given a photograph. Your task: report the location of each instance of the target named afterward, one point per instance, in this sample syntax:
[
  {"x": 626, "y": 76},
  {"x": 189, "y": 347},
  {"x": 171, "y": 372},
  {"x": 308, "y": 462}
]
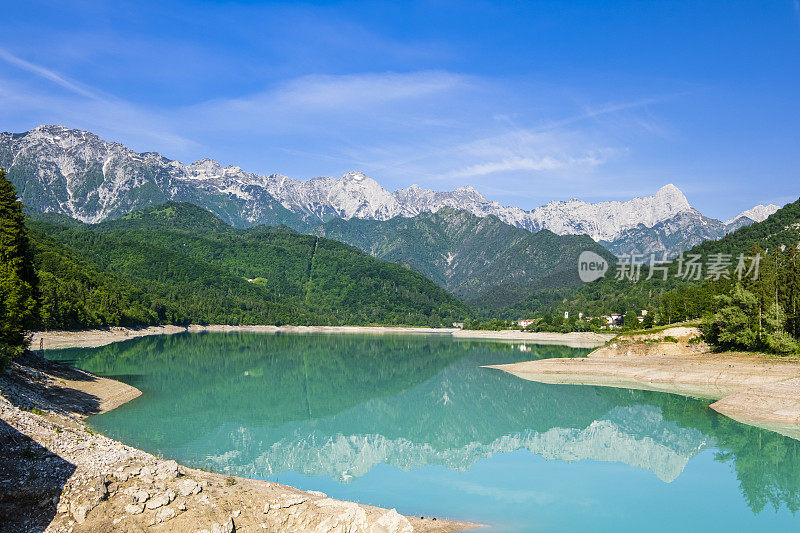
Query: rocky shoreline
[
  {"x": 753, "y": 389},
  {"x": 53, "y": 340},
  {"x": 58, "y": 475}
]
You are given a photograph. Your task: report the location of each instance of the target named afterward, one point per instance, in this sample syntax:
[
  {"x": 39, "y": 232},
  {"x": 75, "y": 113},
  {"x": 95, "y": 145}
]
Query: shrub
[{"x": 780, "y": 342}]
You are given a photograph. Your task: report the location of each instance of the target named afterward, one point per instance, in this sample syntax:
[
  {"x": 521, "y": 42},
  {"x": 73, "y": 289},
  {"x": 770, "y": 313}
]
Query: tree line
[{"x": 178, "y": 264}]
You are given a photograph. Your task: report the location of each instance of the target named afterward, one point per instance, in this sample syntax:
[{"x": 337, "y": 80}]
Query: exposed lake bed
[
  {"x": 414, "y": 422},
  {"x": 755, "y": 389}
]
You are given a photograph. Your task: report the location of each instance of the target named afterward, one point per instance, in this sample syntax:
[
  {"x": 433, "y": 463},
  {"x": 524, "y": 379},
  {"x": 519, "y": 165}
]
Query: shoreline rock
[{"x": 58, "y": 475}]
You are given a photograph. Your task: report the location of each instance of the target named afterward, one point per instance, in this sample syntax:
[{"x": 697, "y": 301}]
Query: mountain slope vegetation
[
  {"x": 680, "y": 297},
  {"x": 468, "y": 255},
  {"x": 177, "y": 263}
]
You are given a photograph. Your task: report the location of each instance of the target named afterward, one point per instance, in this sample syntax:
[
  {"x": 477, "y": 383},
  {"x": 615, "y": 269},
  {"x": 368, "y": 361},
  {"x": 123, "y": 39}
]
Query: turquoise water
[{"x": 414, "y": 422}]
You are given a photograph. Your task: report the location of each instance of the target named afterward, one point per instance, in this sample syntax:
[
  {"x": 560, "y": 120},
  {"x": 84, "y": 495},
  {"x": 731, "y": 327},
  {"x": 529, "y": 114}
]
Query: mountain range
[
  {"x": 681, "y": 232},
  {"x": 76, "y": 173},
  {"x": 466, "y": 254},
  {"x": 676, "y": 296}
]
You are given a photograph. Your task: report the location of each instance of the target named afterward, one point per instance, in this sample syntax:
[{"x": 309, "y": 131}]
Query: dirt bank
[
  {"x": 753, "y": 389},
  {"x": 57, "y": 475},
  {"x": 93, "y": 338},
  {"x": 574, "y": 340},
  {"x": 52, "y": 340}
]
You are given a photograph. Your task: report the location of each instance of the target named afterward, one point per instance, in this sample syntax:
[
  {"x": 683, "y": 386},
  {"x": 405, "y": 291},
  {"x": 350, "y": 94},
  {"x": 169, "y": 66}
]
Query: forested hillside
[
  {"x": 763, "y": 259},
  {"x": 177, "y": 263},
  {"x": 474, "y": 258},
  {"x": 683, "y": 296}
]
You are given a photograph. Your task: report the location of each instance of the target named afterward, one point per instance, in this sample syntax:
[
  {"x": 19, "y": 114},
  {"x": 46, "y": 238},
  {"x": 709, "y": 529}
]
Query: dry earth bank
[
  {"x": 101, "y": 337},
  {"x": 751, "y": 388}
]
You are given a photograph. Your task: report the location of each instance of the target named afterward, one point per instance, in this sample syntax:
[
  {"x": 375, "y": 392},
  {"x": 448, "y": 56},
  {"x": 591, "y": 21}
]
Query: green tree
[
  {"x": 775, "y": 337},
  {"x": 735, "y": 325},
  {"x": 18, "y": 284},
  {"x": 631, "y": 320}
]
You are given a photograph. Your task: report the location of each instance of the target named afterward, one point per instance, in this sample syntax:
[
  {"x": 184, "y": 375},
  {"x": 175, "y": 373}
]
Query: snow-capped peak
[
  {"x": 758, "y": 213},
  {"x": 66, "y": 174},
  {"x": 204, "y": 167},
  {"x": 670, "y": 195},
  {"x": 608, "y": 220},
  {"x": 355, "y": 175}
]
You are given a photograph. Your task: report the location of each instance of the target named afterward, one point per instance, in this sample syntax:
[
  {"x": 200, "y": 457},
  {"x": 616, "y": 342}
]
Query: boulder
[
  {"x": 186, "y": 487},
  {"x": 79, "y": 510},
  {"x": 166, "y": 470},
  {"x": 226, "y": 527},
  {"x": 163, "y": 515},
  {"x": 284, "y": 501},
  {"x": 161, "y": 500},
  {"x": 146, "y": 473},
  {"x": 341, "y": 516},
  {"x": 392, "y": 522},
  {"x": 140, "y": 495}
]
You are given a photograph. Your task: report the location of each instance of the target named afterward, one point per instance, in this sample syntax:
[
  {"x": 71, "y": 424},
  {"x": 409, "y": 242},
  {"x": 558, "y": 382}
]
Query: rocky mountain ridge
[
  {"x": 76, "y": 173},
  {"x": 680, "y": 233},
  {"x": 466, "y": 254}
]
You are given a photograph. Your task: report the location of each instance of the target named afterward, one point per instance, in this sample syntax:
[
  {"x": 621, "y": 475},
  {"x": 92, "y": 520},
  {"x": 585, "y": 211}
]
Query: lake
[{"x": 413, "y": 422}]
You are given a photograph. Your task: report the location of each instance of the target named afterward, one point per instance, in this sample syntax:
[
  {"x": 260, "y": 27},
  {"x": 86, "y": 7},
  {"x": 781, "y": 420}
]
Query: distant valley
[{"x": 466, "y": 254}]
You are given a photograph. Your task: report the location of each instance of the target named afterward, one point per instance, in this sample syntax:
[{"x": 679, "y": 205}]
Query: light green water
[{"x": 414, "y": 422}]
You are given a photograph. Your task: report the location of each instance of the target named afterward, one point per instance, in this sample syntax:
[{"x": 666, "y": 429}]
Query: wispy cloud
[
  {"x": 514, "y": 164},
  {"x": 363, "y": 90},
  {"x": 608, "y": 109},
  {"x": 46, "y": 74},
  {"x": 298, "y": 103},
  {"x": 84, "y": 107},
  {"x": 507, "y": 165}
]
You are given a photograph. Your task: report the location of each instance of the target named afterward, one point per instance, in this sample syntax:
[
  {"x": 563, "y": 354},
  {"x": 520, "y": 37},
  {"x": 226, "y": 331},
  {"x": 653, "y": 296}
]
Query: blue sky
[{"x": 526, "y": 101}]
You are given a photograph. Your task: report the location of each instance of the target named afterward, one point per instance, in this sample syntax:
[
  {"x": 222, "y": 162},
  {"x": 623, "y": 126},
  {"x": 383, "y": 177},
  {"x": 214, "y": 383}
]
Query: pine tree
[{"x": 18, "y": 284}]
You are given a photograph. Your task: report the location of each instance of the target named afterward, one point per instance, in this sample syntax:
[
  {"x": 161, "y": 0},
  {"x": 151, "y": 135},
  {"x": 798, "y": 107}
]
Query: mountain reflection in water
[{"x": 338, "y": 405}]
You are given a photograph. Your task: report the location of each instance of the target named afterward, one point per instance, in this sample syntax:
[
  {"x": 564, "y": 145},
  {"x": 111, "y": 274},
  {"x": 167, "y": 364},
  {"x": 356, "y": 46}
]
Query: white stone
[
  {"x": 391, "y": 522},
  {"x": 186, "y": 487},
  {"x": 134, "y": 508},
  {"x": 160, "y": 500},
  {"x": 164, "y": 514}
]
